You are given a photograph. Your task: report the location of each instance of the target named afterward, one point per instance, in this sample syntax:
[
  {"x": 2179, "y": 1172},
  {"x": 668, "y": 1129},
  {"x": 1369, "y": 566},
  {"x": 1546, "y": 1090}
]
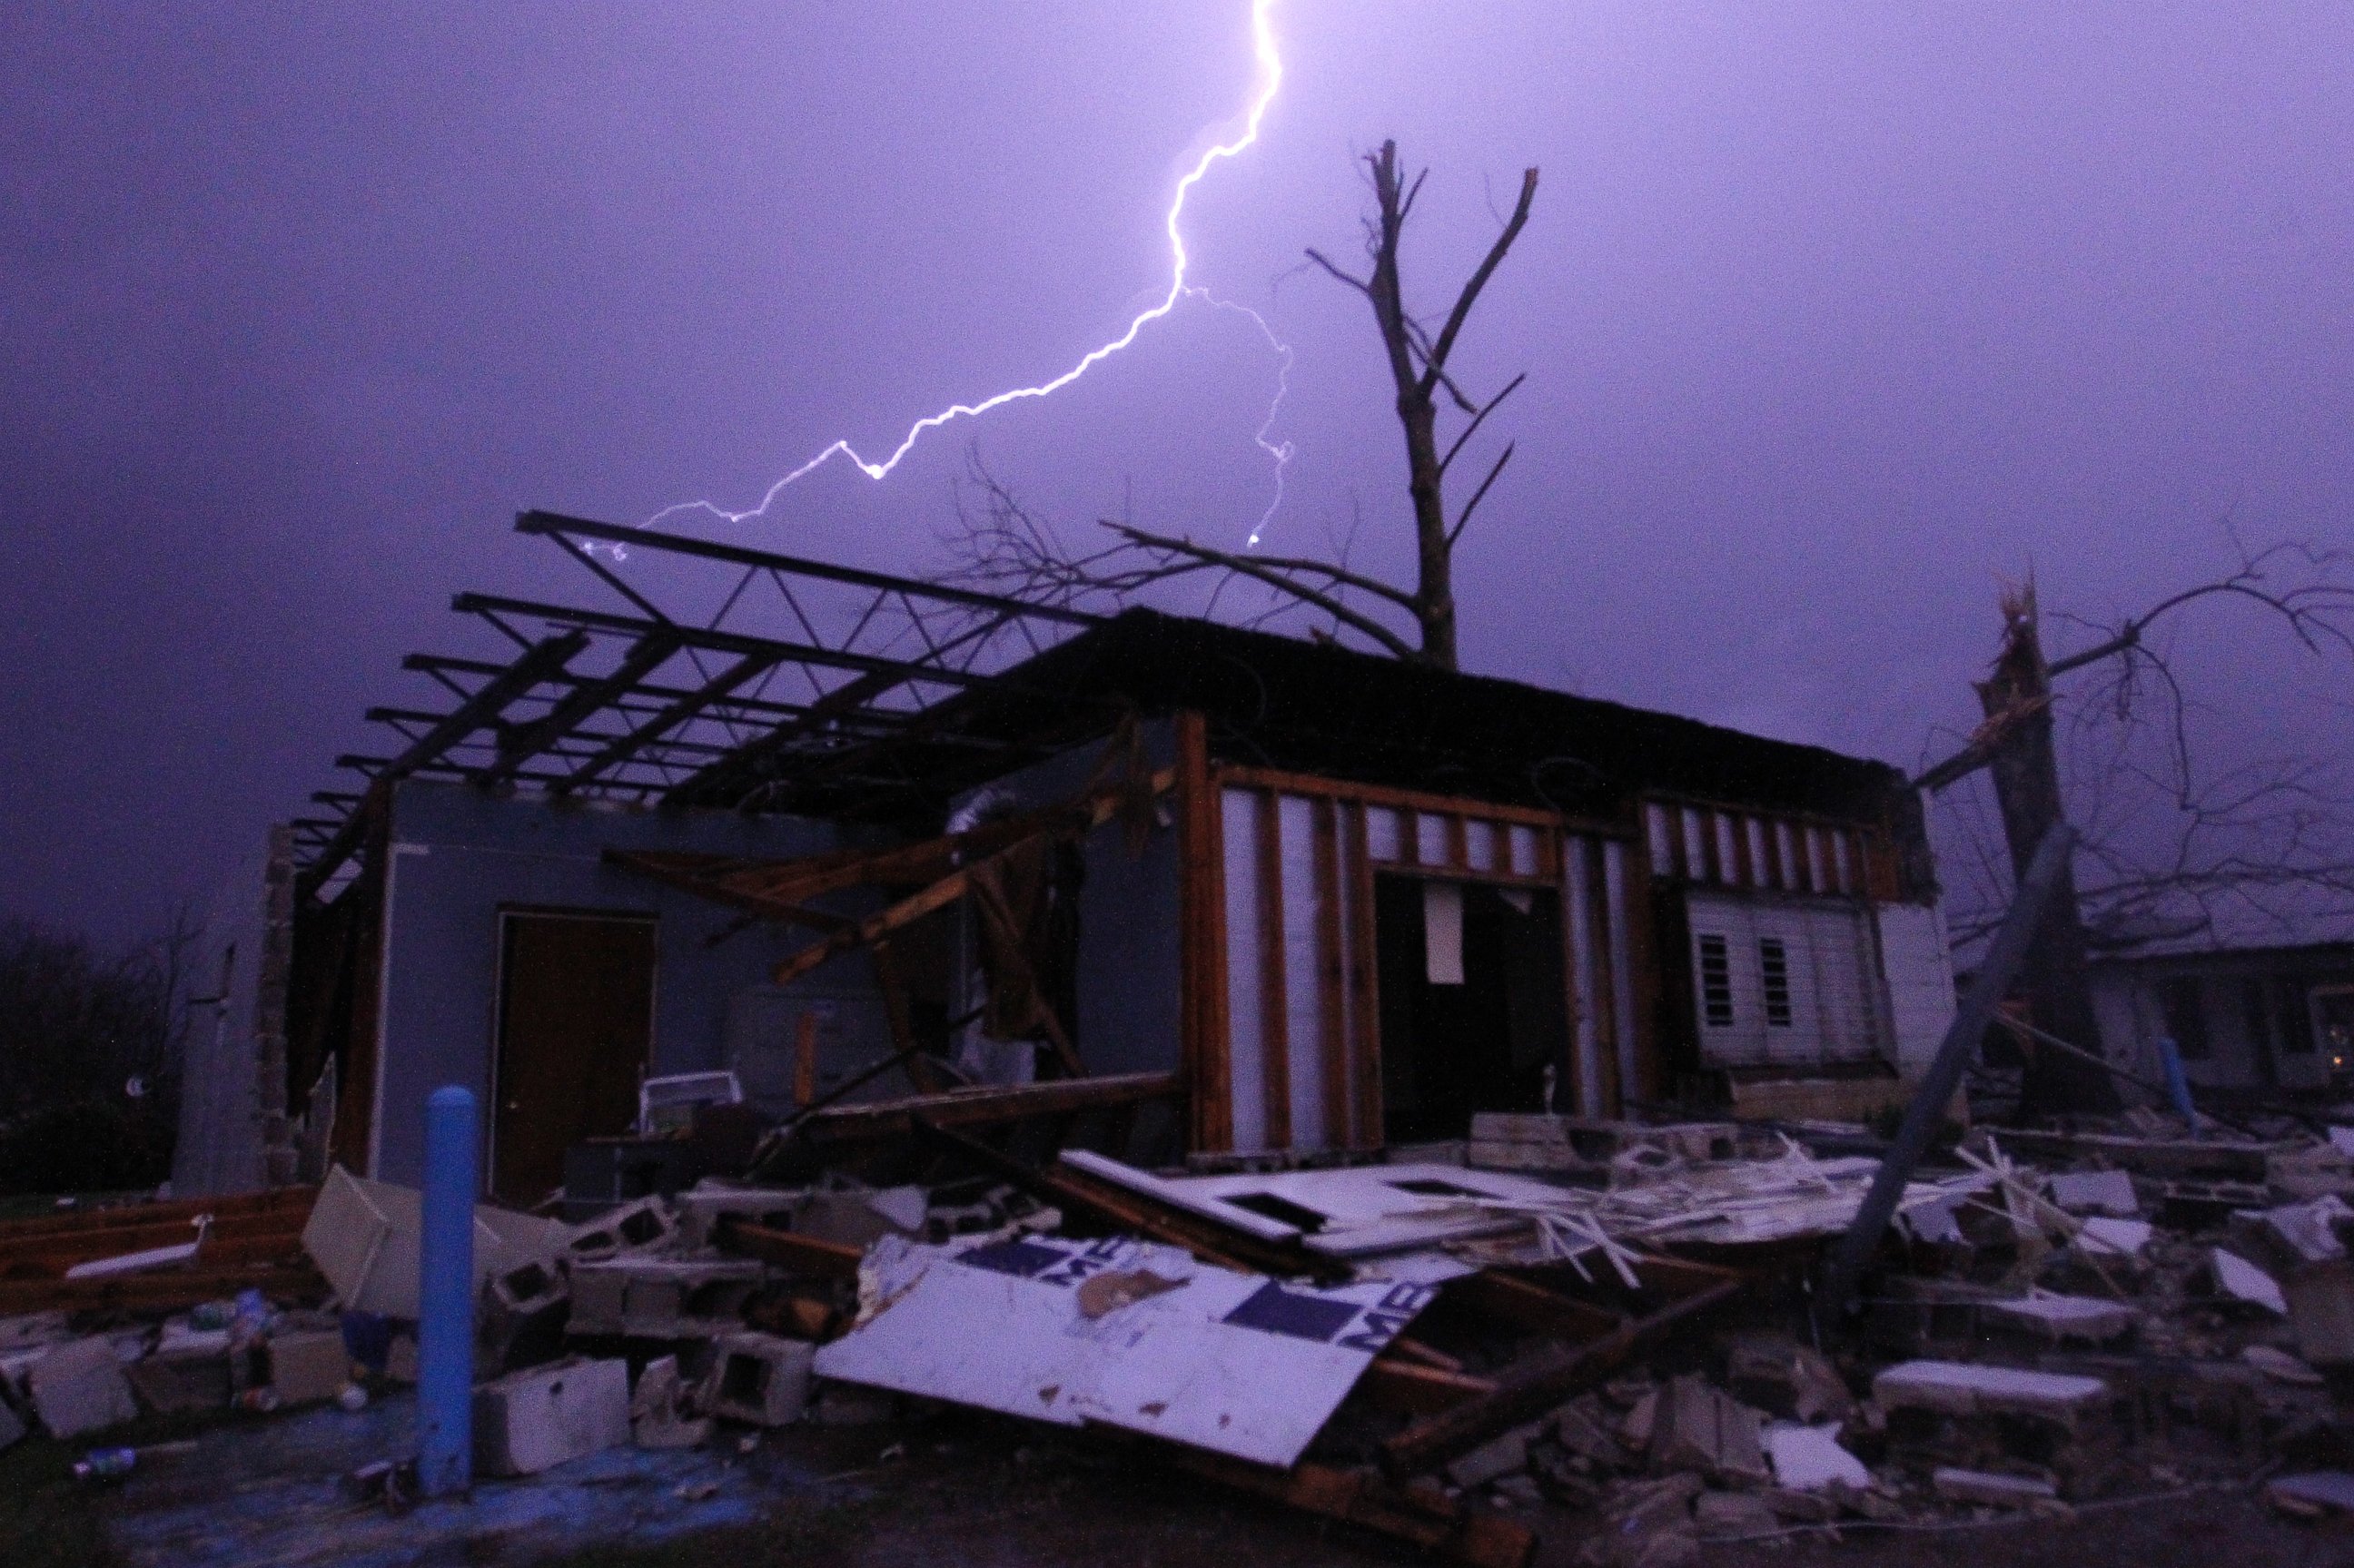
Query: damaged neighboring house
[
  {"x": 2250, "y": 1003},
  {"x": 1206, "y": 890}
]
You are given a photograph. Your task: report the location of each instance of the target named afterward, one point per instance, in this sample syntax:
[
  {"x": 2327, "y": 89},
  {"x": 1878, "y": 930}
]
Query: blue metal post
[{"x": 445, "y": 1328}]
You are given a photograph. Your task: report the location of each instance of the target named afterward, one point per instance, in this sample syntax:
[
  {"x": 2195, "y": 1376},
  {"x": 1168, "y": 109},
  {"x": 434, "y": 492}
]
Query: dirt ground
[{"x": 981, "y": 1494}]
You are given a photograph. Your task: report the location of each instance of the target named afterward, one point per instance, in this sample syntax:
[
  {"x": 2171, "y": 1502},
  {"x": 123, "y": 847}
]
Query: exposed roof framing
[{"x": 711, "y": 674}]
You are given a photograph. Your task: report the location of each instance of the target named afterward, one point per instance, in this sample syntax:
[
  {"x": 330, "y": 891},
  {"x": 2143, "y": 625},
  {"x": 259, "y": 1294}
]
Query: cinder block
[
  {"x": 531, "y": 1421},
  {"x": 79, "y": 1387},
  {"x": 759, "y": 1377},
  {"x": 659, "y": 1417},
  {"x": 309, "y": 1366},
  {"x": 528, "y": 1290},
  {"x": 645, "y": 1225},
  {"x": 172, "y": 1382},
  {"x": 1956, "y": 1388},
  {"x": 663, "y": 1297}
]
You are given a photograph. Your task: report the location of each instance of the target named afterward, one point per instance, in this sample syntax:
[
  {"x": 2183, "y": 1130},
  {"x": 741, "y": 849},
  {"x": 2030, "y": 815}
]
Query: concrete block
[
  {"x": 529, "y": 1288},
  {"x": 2320, "y": 1302},
  {"x": 364, "y": 1236},
  {"x": 700, "y": 1210},
  {"x": 1956, "y": 1388},
  {"x": 1785, "y": 1378},
  {"x": 1723, "y": 1515},
  {"x": 2097, "y": 1192},
  {"x": 1706, "y": 1431},
  {"x": 1809, "y": 1458},
  {"x": 534, "y": 1420},
  {"x": 1496, "y": 1457},
  {"x": 659, "y": 1416},
  {"x": 2059, "y": 1318},
  {"x": 759, "y": 1377},
  {"x": 663, "y": 1297},
  {"x": 1993, "y": 1490},
  {"x": 644, "y": 1227},
  {"x": 79, "y": 1387},
  {"x": 2241, "y": 1281},
  {"x": 172, "y": 1382},
  {"x": 307, "y": 1367}
]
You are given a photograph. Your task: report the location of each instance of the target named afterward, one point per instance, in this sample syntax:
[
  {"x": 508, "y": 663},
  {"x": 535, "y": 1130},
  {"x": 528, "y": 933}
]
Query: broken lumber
[{"x": 1537, "y": 1383}]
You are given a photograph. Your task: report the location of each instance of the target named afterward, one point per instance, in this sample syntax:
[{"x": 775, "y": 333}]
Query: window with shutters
[
  {"x": 1774, "y": 969},
  {"x": 1716, "y": 980}
]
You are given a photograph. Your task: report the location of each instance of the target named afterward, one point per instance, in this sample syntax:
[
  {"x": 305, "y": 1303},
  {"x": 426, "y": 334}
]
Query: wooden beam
[
  {"x": 1274, "y": 990},
  {"x": 837, "y": 1125},
  {"x": 788, "y": 1249},
  {"x": 1341, "y": 1130},
  {"x": 1364, "y": 982},
  {"x": 1601, "y": 923},
  {"x": 1291, "y": 783},
  {"x": 1202, "y": 933},
  {"x": 1643, "y": 974},
  {"x": 1537, "y": 1383}
]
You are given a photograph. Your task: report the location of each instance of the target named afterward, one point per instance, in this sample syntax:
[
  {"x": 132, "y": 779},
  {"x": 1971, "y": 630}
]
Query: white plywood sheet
[{"x": 1236, "y": 1363}]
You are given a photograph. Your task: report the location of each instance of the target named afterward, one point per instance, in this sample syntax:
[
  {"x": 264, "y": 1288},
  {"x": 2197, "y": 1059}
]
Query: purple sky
[{"x": 1832, "y": 314}]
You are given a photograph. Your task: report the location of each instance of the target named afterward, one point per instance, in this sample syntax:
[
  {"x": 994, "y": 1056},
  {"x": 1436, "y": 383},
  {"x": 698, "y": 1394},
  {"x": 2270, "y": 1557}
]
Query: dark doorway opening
[
  {"x": 1450, "y": 1050},
  {"x": 575, "y": 1024}
]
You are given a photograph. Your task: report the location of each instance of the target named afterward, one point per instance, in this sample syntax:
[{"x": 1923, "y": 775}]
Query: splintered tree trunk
[{"x": 2017, "y": 699}]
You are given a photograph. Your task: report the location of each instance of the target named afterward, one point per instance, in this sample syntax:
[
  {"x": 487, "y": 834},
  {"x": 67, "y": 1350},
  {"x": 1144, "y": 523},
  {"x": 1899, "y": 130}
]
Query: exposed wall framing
[{"x": 1302, "y": 1045}]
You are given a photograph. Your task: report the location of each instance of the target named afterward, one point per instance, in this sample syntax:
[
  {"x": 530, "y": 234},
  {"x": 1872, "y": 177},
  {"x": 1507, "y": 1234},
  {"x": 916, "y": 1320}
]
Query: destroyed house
[{"x": 1261, "y": 895}]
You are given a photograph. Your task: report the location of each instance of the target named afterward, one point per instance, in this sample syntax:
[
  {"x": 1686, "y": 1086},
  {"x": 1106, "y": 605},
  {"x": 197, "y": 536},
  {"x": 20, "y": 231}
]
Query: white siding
[
  {"x": 1916, "y": 961},
  {"x": 1834, "y": 996},
  {"x": 1246, "y": 1051}
]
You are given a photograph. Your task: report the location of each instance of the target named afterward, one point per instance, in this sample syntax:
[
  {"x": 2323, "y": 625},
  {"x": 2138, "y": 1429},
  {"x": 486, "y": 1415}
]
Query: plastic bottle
[{"x": 105, "y": 1464}]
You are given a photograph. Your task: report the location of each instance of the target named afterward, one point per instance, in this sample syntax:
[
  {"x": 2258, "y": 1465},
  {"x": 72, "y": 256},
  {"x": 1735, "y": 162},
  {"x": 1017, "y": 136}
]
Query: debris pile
[{"x": 1610, "y": 1331}]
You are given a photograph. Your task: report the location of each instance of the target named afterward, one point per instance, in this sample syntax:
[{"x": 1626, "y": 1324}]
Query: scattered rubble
[{"x": 1591, "y": 1327}]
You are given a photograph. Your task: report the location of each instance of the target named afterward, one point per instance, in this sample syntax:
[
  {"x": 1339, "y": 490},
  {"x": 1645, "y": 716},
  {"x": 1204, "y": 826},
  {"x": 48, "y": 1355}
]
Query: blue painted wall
[
  {"x": 460, "y": 857},
  {"x": 1129, "y": 975}
]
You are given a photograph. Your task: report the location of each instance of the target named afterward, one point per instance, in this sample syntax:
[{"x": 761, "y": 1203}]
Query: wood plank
[
  {"x": 1712, "y": 849},
  {"x": 1528, "y": 1305},
  {"x": 1291, "y": 783},
  {"x": 841, "y": 1125},
  {"x": 1536, "y": 1383},
  {"x": 1601, "y": 925},
  {"x": 1202, "y": 927},
  {"x": 165, "y": 1290},
  {"x": 1777, "y": 876},
  {"x": 1745, "y": 869},
  {"x": 1274, "y": 993},
  {"x": 1091, "y": 813},
  {"x": 1458, "y": 840},
  {"x": 52, "y": 1255},
  {"x": 1331, "y": 1022},
  {"x": 70, "y": 1224},
  {"x": 1412, "y": 1388},
  {"x": 1557, "y": 847},
  {"x": 1644, "y": 975},
  {"x": 1802, "y": 844},
  {"x": 788, "y": 1249},
  {"x": 1678, "y": 843},
  {"x": 1364, "y": 983}
]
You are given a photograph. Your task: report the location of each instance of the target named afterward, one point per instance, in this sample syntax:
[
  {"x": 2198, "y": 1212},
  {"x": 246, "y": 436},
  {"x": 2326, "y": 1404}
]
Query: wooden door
[{"x": 576, "y": 1024}]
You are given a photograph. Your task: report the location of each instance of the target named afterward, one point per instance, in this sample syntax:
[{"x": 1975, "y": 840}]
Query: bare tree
[
  {"x": 1009, "y": 548},
  {"x": 2169, "y": 843}
]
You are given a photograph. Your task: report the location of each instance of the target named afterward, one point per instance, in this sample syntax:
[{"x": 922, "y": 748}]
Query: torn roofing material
[{"x": 1236, "y": 1363}]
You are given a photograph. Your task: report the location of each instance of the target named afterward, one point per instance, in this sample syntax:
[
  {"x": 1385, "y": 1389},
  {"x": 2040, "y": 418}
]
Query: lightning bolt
[{"x": 1270, "y": 78}]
